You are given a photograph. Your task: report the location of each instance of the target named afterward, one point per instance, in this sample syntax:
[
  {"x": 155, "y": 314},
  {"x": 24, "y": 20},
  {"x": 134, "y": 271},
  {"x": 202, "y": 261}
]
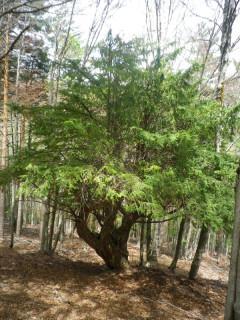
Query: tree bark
[
  {"x": 154, "y": 253},
  {"x": 142, "y": 236},
  {"x": 52, "y": 221},
  {"x": 229, "y": 16},
  {"x": 149, "y": 240},
  {"x": 19, "y": 216},
  {"x": 111, "y": 243},
  {"x": 57, "y": 237},
  {"x": 179, "y": 244},
  {"x": 14, "y": 205},
  {"x": 51, "y": 230},
  {"x": 2, "y": 205},
  {"x": 185, "y": 247},
  {"x": 4, "y": 129},
  {"x": 203, "y": 238},
  {"x": 232, "y": 306},
  {"x": 158, "y": 238},
  {"x": 44, "y": 230}
]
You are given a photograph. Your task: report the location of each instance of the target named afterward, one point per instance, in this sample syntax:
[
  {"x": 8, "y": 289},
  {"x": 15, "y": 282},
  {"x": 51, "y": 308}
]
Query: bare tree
[
  {"x": 61, "y": 41},
  {"x": 229, "y": 16},
  {"x": 103, "y": 9},
  {"x": 4, "y": 142}
]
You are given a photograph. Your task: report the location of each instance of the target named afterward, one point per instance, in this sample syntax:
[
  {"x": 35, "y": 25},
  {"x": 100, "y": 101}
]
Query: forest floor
[{"x": 75, "y": 284}]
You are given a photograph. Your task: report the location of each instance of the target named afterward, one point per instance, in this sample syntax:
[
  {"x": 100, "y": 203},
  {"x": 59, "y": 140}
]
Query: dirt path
[{"x": 76, "y": 285}]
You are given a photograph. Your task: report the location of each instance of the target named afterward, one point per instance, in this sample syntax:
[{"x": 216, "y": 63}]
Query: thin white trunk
[{"x": 4, "y": 153}]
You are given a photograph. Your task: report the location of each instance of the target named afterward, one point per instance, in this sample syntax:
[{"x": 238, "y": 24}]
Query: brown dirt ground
[{"x": 75, "y": 284}]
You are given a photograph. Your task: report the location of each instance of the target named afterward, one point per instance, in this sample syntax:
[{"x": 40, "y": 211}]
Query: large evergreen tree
[{"x": 129, "y": 139}]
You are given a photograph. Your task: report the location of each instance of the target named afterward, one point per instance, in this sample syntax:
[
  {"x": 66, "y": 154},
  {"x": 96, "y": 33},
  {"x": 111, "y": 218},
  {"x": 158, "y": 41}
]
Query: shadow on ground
[{"x": 35, "y": 286}]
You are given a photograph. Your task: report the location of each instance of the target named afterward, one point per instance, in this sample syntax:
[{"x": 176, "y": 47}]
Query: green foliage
[{"x": 133, "y": 134}]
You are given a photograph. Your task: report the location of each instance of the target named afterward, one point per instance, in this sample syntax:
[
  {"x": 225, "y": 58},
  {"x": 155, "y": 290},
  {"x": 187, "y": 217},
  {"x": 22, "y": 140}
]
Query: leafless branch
[
  {"x": 175, "y": 216},
  {"x": 197, "y": 15},
  {"x": 20, "y": 9},
  {"x": 14, "y": 43},
  {"x": 97, "y": 24}
]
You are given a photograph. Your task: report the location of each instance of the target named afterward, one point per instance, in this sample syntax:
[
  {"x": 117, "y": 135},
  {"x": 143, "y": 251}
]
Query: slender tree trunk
[
  {"x": 19, "y": 215},
  {"x": 154, "y": 254},
  {"x": 21, "y": 146},
  {"x": 212, "y": 240},
  {"x": 13, "y": 210},
  {"x": 158, "y": 238},
  {"x": 51, "y": 229},
  {"x": 219, "y": 248},
  {"x": 229, "y": 16},
  {"x": 232, "y": 306},
  {"x": 149, "y": 240},
  {"x": 186, "y": 245},
  {"x": 237, "y": 297},
  {"x": 226, "y": 245},
  {"x": 193, "y": 242},
  {"x": 230, "y": 9},
  {"x": 21, "y": 198},
  {"x": 142, "y": 236},
  {"x": 179, "y": 244},
  {"x": 4, "y": 154},
  {"x": 2, "y": 209},
  {"x": 58, "y": 234},
  {"x": 44, "y": 230},
  {"x": 203, "y": 238},
  {"x": 73, "y": 228},
  {"x": 62, "y": 234},
  {"x": 151, "y": 247},
  {"x": 52, "y": 221}
]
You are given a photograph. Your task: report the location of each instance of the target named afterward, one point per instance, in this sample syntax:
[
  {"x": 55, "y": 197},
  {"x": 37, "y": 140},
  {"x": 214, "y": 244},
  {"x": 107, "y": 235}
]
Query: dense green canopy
[{"x": 131, "y": 135}]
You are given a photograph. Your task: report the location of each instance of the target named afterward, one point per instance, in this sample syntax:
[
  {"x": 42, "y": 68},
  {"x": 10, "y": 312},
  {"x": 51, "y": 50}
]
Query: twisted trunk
[{"x": 111, "y": 243}]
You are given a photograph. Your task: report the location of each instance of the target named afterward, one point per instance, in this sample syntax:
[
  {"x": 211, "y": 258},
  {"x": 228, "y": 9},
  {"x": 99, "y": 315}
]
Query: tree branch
[
  {"x": 161, "y": 221},
  {"x": 14, "y": 10},
  {"x": 13, "y": 43}
]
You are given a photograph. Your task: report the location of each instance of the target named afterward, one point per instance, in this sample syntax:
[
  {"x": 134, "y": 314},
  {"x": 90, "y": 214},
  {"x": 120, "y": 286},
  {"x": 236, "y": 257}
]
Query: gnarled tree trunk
[{"x": 111, "y": 243}]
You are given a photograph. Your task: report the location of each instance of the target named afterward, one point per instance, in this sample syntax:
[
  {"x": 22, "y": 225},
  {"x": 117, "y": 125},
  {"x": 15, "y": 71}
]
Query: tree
[
  {"x": 24, "y": 53},
  {"x": 179, "y": 244},
  {"x": 203, "y": 238},
  {"x": 232, "y": 307},
  {"x": 4, "y": 141},
  {"x": 136, "y": 145}
]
